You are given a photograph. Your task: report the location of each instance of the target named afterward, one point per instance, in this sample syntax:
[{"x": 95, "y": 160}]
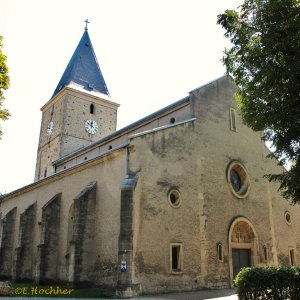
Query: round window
[
  {"x": 235, "y": 180},
  {"x": 288, "y": 218},
  {"x": 174, "y": 198},
  {"x": 238, "y": 180}
]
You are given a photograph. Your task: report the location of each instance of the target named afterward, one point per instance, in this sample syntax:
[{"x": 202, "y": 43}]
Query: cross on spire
[{"x": 86, "y": 24}]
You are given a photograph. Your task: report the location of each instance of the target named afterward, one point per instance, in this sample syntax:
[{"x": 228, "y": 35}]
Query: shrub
[
  {"x": 268, "y": 283},
  {"x": 6, "y": 289}
]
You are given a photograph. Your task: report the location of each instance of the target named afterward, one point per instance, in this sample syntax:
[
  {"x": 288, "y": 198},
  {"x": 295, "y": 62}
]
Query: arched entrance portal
[{"x": 243, "y": 246}]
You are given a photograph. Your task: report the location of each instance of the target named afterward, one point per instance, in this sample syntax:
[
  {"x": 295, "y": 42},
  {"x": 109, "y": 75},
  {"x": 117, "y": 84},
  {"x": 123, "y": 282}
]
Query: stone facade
[
  {"x": 67, "y": 112},
  {"x": 176, "y": 201}
]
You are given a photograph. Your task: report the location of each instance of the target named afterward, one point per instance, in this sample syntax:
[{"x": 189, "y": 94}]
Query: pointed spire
[{"x": 83, "y": 69}]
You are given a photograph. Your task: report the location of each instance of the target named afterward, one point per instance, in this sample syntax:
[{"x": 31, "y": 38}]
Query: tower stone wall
[
  {"x": 68, "y": 113},
  {"x": 79, "y": 112}
]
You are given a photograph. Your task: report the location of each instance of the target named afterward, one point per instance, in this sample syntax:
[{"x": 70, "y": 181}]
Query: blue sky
[{"x": 151, "y": 53}]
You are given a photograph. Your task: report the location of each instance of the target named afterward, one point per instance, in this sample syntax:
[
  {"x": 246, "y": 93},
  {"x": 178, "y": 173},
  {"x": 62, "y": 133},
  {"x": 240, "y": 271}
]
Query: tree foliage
[
  {"x": 4, "y": 84},
  {"x": 264, "y": 62}
]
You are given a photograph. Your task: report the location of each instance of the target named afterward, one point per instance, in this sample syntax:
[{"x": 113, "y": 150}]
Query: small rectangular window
[
  {"x": 176, "y": 257},
  {"x": 232, "y": 119},
  {"x": 292, "y": 257}
]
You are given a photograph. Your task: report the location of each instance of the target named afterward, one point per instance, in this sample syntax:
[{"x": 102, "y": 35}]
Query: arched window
[
  {"x": 232, "y": 119},
  {"x": 292, "y": 256},
  {"x": 92, "y": 109}
]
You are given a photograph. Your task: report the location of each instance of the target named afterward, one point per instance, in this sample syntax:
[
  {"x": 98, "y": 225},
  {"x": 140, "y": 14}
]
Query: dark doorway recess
[{"x": 240, "y": 259}]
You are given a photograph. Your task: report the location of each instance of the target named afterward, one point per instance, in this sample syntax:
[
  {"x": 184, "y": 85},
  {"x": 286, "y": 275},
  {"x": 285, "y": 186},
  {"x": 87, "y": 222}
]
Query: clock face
[
  {"x": 50, "y": 128},
  {"x": 91, "y": 126}
]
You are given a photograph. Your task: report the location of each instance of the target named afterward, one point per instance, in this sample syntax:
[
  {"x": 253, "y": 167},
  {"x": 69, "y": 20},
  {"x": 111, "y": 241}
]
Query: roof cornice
[{"x": 97, "y": 97}]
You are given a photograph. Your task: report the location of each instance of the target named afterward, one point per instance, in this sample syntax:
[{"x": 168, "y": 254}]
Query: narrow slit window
[
  {"x": 232, "y": 119},
  {"x": 220, "y": 252},
  {"x": 176, "y": 260},
  {"x": 265, "y": 253},
  {"x": 92, "y": 109},
  {"x": 1, "y": 229},
  {"x": 292, "y": 257}
]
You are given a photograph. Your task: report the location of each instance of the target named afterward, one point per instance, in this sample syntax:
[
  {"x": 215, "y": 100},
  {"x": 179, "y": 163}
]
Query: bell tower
[{"x": 79, "y": 112}]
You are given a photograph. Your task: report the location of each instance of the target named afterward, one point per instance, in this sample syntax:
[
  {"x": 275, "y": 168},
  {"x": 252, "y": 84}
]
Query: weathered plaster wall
[
  {"x": 176, "y": 114},
  {"x": 101, "y": 265},
  {"x": 165, "y": 162},
  {"x": 8, "y": 224},
  {"x": 263, "y": 207},
  {"x": 24, "y": 252},
  {"x": 218, "y": 146},
  {"x": 47, "y": 254},
  {"x": 287, "y": 235},
  {"x": 194, "y": 158}
]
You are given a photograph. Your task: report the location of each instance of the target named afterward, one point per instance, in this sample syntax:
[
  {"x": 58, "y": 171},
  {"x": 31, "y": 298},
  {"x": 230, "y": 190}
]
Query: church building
[{"x": 176, "y": 201}]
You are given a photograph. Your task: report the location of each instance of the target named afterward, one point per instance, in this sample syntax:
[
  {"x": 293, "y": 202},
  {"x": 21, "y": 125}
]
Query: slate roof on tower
[{"x": 83, "y": 69}]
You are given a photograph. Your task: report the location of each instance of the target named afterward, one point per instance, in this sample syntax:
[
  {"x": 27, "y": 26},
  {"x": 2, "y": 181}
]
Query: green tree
[
  {"x": 4, "y": 84},
  {"x": 264, "y": 62}
]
